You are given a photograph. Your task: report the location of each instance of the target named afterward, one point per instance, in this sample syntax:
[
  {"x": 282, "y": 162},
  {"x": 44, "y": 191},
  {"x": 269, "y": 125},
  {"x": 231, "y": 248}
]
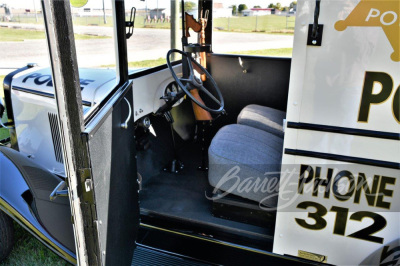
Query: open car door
[
  {"x": 99, "y": 148},
  {"x": 111, "y": 144}
]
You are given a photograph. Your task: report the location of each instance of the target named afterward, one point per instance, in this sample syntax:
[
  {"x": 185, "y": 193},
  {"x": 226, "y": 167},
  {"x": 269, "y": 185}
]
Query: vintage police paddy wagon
[{"x": 301, "y": 166}]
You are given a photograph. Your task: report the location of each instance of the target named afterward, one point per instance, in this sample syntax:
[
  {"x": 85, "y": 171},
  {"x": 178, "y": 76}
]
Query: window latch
[
  {"x": 131, "y": 23},
  {"x": 315, "y": 30}
]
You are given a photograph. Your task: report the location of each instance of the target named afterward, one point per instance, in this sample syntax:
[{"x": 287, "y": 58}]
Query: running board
[{"x": 148, "y": 256}]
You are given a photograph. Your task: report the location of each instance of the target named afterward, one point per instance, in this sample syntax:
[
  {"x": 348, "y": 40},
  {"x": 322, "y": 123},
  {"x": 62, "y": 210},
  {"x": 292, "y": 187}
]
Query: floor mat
[{"x": 183, "y": 195}]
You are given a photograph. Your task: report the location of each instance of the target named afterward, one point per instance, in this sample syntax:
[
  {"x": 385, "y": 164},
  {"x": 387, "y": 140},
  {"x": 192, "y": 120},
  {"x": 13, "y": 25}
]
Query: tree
[
  {"x": 242, "y": 7},
  {"x": 276, "y": 6},
  {"x": 234, "y": 10},
  {"x": 293, "y": 4},
  {"x": 188, "y": 6},
  {"x": 257, "y": 7}
]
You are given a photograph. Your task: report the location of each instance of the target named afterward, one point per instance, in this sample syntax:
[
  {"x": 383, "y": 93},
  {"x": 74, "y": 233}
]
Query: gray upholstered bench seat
[
  {"x": 264, "y": 118},
  {"x": 241, "y": 156}
]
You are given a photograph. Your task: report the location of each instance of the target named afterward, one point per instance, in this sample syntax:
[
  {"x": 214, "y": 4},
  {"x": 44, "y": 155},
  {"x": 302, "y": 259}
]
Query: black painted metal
[
  {"x": 345, "y": 130},
  {"x": 112, "y": 157},
  {"x": 184, "y": 38},
  {"x": 55, "y": 135},
  {"x": 149, "y": 256},
  {"x": 7, "y": 83},
  {"x": 55, "y": 215},
  {"x": 6, "y": 140},
  {"x": 343, "y": 158},
  {"x": 241, "y": 210},
  {"x": 197, "y": 48},
  {"x": 7, "y": 91},
  {"x": 315, "y": 30},
  {"x": 44, "y": 94},
  {"x": 266, "y": 82},
  {"x": 121, "y": 41},
  {"x": 317, "y": 39},
  {"x": 257, "y": 241},
  {"x": 316, "y": 18},
  {"x": 152, "y": 70},
  {"x": 213, "y": 251}
]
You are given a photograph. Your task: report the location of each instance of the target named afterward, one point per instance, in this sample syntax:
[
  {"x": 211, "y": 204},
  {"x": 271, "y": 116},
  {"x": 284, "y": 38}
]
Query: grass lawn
[
  {"x": 285, "y": 52},
  {"x": 144, "y": 63},
  {"x": 148, "y": 63},
  {"x": 263, "y": 24},
  {"x": 266, "y": 24},
  {"x": 1, "y": 86},
  {"x": 19, "y": 35},
  {"x": 4, "y": 133},
  {"x": 30, "y": 251}
]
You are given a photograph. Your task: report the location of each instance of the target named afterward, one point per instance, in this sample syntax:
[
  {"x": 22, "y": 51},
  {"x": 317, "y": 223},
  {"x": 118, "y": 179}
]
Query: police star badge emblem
[{"x": 373, "y": 13}]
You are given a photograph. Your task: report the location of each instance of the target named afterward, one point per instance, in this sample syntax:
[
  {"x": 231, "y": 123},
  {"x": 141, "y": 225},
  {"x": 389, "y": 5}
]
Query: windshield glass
[
  {"x": 95, "y": 37},
  {"x": 153, "y": 35}
]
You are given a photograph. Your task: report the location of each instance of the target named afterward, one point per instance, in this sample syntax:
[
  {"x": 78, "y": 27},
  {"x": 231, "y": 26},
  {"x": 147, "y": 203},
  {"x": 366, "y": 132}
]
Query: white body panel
[
  {"x": 32, "y": 96},
  {"x": 326, "y": 88},
  {"x": 33, "y": 129},
  {"x": 147, "y": 91},
  {"x": 33, "y": 100},
  {"x": 95, "y": 83}
]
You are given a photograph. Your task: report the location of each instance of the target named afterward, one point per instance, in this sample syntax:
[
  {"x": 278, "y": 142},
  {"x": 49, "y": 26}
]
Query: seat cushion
[
  {"x": 264, "y": 118},
  {"x": 245, "y": 161}
]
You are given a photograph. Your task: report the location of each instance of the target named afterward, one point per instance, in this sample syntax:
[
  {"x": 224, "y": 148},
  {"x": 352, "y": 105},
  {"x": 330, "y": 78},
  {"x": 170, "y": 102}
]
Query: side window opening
[{"x": 253, "y": 29}]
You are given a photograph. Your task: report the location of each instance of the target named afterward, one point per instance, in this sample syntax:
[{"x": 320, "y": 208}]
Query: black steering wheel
[{"x": 193, "y": 82}]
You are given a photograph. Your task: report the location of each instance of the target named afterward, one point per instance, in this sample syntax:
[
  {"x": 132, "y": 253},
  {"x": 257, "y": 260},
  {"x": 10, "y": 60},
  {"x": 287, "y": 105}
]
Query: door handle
[
  {"x": 59, "y": 191},
  {"x": 125, "y": 124}
]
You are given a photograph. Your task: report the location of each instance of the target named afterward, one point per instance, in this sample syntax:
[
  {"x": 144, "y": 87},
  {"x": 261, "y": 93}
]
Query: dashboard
[{"x": 148, "y": 89}]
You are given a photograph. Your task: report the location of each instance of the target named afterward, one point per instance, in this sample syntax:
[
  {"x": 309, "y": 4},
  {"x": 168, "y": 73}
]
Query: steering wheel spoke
[
  {"x": 185, "y": 80},
  {"x": 193, "y": 82},
  {"x": 190, "y": 66},
  {"x": 210, "y": 95}
]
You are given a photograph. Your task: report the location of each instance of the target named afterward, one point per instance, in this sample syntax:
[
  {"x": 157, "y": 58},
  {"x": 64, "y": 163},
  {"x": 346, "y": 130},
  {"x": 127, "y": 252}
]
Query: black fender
[{"x": 25, "y": 188}]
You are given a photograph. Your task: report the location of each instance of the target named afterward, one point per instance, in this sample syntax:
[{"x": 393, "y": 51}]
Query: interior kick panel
[
  {"x": 148, "y": 89},
  {"x": 265, "y": 81}
]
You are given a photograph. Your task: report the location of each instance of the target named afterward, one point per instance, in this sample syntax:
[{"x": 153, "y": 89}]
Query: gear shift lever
[{"x": 175, "y": 166}]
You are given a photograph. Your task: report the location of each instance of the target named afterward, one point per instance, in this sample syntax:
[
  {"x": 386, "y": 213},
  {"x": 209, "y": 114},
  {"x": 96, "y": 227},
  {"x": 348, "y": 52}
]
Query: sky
[{"x": 28, "y": 4}]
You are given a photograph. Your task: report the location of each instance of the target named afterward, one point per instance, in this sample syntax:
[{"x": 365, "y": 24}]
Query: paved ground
[{"x": 144, "y": 44}]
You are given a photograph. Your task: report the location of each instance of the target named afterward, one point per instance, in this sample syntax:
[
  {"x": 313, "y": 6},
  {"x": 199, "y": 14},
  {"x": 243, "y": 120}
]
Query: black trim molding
[
  {"x": 152, "y": 70},
  {"x": 250, "y": 56},
  {"x": 7, "y": 98},
  {"x": 44, "y": 94},
  {"x": 345, "y": 130},
  {"x": 343, "y": 158}
]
